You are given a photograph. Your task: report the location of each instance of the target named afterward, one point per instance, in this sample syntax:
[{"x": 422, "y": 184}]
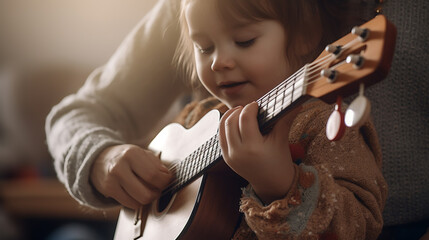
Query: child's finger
[
  {"x": 232, "y": 131},
  {"x": 248, "y": 123},
  {"x": 222, "y": 132},
  {"x": 222, "y": 138}
]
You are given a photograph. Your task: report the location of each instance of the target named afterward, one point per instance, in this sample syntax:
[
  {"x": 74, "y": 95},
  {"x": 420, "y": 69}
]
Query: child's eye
[
  {"x": 247, "y": 43},
  {"x": 207, "y": 50}
]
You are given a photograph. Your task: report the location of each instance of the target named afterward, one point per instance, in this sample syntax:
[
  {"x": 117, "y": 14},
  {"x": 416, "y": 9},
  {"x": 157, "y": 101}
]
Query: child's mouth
[
  {"x": 232, "y": 88},
  {"x": 231, "y": 84}
]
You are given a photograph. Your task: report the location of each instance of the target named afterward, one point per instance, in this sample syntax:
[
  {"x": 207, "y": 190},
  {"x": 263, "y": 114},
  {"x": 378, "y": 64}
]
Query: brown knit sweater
[{"x": 338, "y": 193}]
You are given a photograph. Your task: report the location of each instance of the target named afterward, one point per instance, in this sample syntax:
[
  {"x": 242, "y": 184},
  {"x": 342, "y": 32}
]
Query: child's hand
[
  {"x": 264, "y": 161},
  {"x": 129, "y": 174}
]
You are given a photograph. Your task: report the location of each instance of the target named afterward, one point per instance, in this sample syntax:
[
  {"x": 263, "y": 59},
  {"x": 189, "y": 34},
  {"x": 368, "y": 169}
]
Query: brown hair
[{"x": 296, "y": 16}]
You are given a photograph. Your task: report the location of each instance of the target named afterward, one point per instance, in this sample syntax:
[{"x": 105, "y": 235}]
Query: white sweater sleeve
[{"x": 119, "y": 103}]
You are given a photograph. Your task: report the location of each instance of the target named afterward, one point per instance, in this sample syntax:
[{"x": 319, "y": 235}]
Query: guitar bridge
[{"x": 138, "y": 231}]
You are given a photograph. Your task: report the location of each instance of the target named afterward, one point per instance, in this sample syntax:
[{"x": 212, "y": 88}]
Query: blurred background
[{"x": 47, "y": 49}]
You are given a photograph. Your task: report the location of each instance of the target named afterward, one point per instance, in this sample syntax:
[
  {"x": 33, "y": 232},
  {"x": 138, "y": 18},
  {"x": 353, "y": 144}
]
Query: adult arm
[{"x": 119, "y": 103}]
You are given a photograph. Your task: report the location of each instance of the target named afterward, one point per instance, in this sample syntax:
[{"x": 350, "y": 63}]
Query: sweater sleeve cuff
[
  {"x": 287, "y": 216},
  {"x": 89, "y": 148}
]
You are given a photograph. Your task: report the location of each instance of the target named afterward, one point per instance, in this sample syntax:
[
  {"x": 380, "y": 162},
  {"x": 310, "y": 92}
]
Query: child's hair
[{"x": 297, "y": 17}]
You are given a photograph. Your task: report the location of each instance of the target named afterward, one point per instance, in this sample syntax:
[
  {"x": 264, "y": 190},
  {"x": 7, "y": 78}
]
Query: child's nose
[{"x": 222, "y": 61}]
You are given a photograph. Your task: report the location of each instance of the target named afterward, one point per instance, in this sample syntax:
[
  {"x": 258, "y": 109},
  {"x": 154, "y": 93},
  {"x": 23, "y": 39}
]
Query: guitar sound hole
[{"x": 164, "y": 202}]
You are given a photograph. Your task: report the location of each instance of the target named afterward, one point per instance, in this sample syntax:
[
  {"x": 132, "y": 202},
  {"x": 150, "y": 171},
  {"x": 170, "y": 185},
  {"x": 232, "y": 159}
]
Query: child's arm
[{"x": 338, "y": 192}]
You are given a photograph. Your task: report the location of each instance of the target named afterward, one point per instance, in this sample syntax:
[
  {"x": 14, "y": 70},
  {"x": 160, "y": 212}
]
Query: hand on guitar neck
[
  {"x": 120, "y": 173},
  {"x": 263, "y": 160}
]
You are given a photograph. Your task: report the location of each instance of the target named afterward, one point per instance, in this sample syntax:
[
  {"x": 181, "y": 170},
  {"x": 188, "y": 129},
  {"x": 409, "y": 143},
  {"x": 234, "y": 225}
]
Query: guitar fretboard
[
  {"x": 276, "y": 101},
  {"x": 271, "y": 106}
]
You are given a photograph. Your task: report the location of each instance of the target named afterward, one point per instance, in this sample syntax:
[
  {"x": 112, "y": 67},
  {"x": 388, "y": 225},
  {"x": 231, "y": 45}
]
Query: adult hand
[
  {"x": 264, "y": 161},
  {"x": 129, "y": 174}
]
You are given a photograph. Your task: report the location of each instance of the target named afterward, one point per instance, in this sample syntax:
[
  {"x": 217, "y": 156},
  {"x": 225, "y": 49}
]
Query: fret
[
  {"x": 194, "y": 165},
  {"x": 188, "y": 167},
  {"x": 275, "y": 113},
  {"x": 206, "y": 157},
  {"x": 198, "y": 161},
  {"x": 298, "y": 89},
  {"x": 192, "y": 160},
  {"x": 201, "y": 156},
  {"x": 275, "y": 97},
  {"x": 217, "y": 153},
  {"x": 263, "y": 100},
  {"x": 270, "y": 106},
  {"x": 179, "y": 172},
  {"x": 213, "y": 148},
  {"x": 264, "y": 103},
  {"x": 288, "y": 95},
  {"x": 280, "y": 98}
]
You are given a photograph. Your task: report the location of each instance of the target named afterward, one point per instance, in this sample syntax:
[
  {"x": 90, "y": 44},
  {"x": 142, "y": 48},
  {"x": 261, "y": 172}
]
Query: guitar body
[{"x": 205, "y": 209}]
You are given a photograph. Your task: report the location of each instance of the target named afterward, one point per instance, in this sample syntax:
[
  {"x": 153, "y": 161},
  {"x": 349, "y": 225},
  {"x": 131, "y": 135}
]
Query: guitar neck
[{"x": 271, "y": 106}]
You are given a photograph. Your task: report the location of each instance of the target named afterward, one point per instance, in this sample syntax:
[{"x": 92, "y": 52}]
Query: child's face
[{"x": 237, "y": 63}]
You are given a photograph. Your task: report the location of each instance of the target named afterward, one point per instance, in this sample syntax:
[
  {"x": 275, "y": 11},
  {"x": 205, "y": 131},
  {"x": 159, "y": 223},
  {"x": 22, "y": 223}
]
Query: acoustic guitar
[{"x": 203, "y": 200}]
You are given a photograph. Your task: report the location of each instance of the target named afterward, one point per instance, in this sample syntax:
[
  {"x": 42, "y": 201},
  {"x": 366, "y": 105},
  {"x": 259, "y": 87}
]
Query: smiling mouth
[{"x": 231, "y": 84}]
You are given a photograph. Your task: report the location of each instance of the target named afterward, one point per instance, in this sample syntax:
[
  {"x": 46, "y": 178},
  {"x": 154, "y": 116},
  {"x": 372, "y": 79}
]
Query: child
[{"x": 242, "y": 49}]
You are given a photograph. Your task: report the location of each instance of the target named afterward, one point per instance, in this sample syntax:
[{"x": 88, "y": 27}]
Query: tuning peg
[
  {"x": 356, "y": 60},
  {"x": 363, "y": 33},
  {"x": 329, "y": 74},
  {"x": 335, "y": 126},
  {"x": 334, "y": 49},
  {"x": 358, "y": 111}
]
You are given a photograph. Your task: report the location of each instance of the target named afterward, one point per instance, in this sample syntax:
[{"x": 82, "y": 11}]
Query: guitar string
[{"x": 308, "y": 70}]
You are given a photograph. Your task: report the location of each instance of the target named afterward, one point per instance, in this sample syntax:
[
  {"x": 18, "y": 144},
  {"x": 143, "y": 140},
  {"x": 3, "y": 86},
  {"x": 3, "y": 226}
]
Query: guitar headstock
[{"x": 376, "y": 50}]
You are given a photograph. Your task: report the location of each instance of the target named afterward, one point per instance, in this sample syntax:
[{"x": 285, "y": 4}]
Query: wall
[
  {"x": 47, "y": 49},
  {"x": 82, "y": 32}
]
